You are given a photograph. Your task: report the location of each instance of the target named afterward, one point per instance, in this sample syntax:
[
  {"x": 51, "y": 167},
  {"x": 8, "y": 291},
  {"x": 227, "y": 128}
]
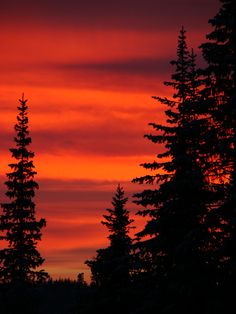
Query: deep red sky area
[{"x": 89, "y": 69}]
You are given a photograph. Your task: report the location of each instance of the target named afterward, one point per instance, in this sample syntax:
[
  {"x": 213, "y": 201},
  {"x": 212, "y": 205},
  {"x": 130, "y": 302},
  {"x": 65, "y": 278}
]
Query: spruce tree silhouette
[
  {"x": 111, "y": 267},
  {"x": 20, "y": 229},
  {"x": 219, "y": 78},
  {"x": 219, "y": 52},
  {"x": 220, "y": 87},
  {"x": 176, "y": 207}
]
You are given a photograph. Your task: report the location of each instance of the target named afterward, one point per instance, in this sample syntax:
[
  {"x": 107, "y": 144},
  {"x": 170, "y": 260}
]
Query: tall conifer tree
[
  {"x": 19, "y": 226},
  {"x": 177, "y": 206}
]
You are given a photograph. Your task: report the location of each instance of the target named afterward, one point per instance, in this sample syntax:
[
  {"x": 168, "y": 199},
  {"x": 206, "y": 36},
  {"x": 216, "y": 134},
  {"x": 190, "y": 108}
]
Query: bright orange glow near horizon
[{"x": 89, "y": 72}]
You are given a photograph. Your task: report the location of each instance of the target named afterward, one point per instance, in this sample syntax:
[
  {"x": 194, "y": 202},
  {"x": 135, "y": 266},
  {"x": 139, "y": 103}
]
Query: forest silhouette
[{"x": 184, "y": 259}]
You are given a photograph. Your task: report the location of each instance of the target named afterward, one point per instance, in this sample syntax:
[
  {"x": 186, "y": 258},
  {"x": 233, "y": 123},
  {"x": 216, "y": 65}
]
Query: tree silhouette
[
  {"x": 219, "y": 51},
  {"x": 178, "y": 205},
  {"x": 111, "y": 267},
  {"x": 20, "y": 229},
  {"x": 220, "y": 85},
  {"x": 219, "y": 79}
]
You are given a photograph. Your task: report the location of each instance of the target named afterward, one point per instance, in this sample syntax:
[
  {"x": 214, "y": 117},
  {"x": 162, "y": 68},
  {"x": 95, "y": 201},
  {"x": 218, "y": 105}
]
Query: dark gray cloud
[
  {"x": 139, "y": 74},
  {"x": 72, "y": 184},
  {"x": 77, "y": 191},
  {"x": 77, "y": 231},
  {"x": 67, "y": 197},
  {"x": 144, "y": 67},
  {"x": 133, "y": 75},
  {"x": 103, "y": 140},
  {"x": 77, "y": 196},
  {"x": 112, "y": 137},
  {"x": 61, "y": 256},
  {"x": 135, "y": 14}
]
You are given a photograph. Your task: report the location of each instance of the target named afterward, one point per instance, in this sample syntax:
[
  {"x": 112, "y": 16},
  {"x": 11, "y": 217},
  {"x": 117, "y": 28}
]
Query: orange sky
[{"x": 89, "y": 71}]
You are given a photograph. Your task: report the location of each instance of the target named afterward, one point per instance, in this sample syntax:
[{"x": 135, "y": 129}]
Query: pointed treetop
[{"x": 23, "y": 100}]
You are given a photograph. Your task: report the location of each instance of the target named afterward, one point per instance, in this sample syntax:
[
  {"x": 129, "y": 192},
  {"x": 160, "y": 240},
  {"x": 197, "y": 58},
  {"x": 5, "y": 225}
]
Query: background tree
[
  {"x": 20, "y": 228},
  {"x": 219, "y": 78},
  {"x": 111, "y": 267},
  {"x": 220, "y": 87}
]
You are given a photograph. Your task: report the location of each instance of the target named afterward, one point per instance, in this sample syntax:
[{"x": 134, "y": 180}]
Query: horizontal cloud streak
[
  {"x": 133, "y": 74},
  {"x": 63, "y": 257},
  {"x": 117, "y": 137},
  {"x": 143, "y": 66}
]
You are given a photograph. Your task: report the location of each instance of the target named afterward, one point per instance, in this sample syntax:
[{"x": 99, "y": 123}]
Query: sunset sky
[{"x": 88, "y": 69}]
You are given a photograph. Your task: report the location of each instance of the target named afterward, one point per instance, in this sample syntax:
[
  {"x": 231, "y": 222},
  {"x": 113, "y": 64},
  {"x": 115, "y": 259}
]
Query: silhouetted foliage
[
  {"x": 20, "y": 229},
  {"x": 80, "y": 280},
  {"x": 111, "y": 267},
  {"x": 220, "y": 86},
  {"x": 177, "y": 206},
  {"x": 219, "y": 80},
  {"x": 219, "y": 52}
]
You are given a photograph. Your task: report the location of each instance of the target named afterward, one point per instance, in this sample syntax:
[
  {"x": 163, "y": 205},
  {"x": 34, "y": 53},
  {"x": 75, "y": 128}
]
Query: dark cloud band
[{"x": 132, "y": 14}]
